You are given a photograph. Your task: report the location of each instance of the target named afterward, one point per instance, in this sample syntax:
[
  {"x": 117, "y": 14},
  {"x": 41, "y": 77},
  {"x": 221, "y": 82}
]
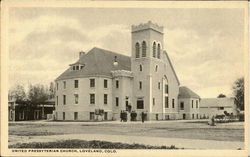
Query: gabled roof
[
  {"x": 98, "y": 62},
  {"x": 185, "y": 92},
  {"x": 217, "y": 102},
  {"x": 171, "y": 66}
]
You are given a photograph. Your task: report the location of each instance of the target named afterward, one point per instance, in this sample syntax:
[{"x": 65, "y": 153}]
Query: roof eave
[{"x": 172, "y": 67}]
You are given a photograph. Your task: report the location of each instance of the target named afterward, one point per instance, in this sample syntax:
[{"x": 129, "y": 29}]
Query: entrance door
[
  {"x": 105, "y": 115},
  {"x": 156, "y": 117},
  {"x": 184, "y": 116}
]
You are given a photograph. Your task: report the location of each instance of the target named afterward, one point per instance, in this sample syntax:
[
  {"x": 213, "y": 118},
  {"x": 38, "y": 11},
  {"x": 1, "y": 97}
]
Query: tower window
[
  {"x": 166, "y": 102},
  {"x": 159, "y": 51},
  {"x": 159, "y": 85},
  {"x": 144, "y": 49},
  {"x": 154, "y": 49},
  {"x": 140, "y": 67},
  {"x": 166, "y": 89},
  {"x": 156, "y": 68},
  {"x": 117, "y": 84},
  {"x": 153, "y": 101},
  {"x": 137, "y": 50},
  {"x": 140, "y": 85}
]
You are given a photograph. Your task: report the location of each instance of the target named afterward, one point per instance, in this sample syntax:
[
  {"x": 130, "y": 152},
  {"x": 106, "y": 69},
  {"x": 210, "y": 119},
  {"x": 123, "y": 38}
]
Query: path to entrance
[{"x": 177, "y": 142}]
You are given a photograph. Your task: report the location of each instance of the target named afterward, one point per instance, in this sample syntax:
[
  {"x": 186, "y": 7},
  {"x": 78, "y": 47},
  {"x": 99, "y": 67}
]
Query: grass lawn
[
  {"x": 87, "y": 144},
  {"x": 186, "y": 130}
]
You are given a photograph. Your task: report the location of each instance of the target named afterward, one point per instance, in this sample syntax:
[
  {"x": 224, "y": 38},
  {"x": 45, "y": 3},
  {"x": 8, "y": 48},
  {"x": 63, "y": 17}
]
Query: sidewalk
[
  {"x": 177, "y": 142},
  {"x": 103, "y": 122}
]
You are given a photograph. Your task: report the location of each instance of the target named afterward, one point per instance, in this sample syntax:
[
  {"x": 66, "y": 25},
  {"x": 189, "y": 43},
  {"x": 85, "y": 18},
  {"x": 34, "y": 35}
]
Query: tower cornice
[{"x": 148, "y": 25}]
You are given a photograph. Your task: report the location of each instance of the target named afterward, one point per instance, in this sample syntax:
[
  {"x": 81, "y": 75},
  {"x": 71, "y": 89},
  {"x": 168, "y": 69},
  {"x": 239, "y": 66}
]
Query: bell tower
[
  {"x": 147, "y": 48},
  {"x": 144, "y": 37}
]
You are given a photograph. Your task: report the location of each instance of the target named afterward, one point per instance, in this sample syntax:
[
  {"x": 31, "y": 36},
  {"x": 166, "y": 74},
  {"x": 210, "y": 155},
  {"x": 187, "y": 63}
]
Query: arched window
[
  {"x": 166, "y": 84},
  {"x": 140, "y": 67},
  {"x": 154, "y": 49},
  {"x": 137, "y": 50},
  {"x": 159, "y": 51},
  {"x": 144, "y": 48},
  {"x": 156, "y": 68}
]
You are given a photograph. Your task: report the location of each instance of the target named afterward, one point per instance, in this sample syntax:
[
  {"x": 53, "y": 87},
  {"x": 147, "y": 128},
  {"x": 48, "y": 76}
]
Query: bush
[
  {"x": 226, "y": 119},
  {"x": 88, "y": 144}
]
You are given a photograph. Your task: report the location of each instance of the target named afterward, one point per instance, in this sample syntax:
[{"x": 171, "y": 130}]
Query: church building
[{"x": 102, "y": 82}]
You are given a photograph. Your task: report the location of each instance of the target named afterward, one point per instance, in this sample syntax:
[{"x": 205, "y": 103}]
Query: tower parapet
[{"x": 148, "y": 25}]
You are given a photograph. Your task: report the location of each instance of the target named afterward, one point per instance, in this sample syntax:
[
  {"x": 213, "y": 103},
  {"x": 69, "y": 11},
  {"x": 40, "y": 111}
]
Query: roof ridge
[
  {"x": 185, "y": 91},
  {"x": 109, "y": 51}
]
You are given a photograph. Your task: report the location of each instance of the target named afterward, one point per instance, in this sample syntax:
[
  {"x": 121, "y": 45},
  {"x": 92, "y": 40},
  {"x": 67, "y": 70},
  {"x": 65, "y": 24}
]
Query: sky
[{"x": 205, "y": 45}]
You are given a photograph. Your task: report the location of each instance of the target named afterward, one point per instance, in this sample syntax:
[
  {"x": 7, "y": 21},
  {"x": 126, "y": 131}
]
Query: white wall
[{"x": 84, "y": 90}]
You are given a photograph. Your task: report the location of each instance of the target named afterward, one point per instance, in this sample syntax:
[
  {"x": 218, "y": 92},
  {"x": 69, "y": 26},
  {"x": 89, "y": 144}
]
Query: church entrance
[{"x": 184, "y": 116}]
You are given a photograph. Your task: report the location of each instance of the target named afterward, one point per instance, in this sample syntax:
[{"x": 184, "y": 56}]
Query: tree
[
  {"x": 18, "y": 94},
  {"x": 238, "y": 91},
  {"x": 51, "y": 90},
  {"x": 221, "y": 96},
  {"x": 37, "y": 94}
]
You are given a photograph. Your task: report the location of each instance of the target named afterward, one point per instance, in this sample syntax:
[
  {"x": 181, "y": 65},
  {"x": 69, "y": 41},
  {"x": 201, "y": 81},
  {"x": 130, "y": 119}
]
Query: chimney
[
  {"x": 115, "y": 61},
  {"x": 81, "y": 53}
]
